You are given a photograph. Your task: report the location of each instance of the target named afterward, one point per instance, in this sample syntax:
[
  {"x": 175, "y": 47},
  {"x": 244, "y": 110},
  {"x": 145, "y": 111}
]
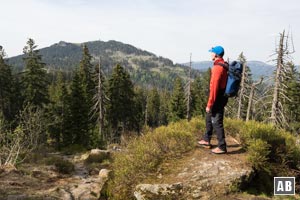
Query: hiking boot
[
  {"x": 204, "y": 144},
  {"x": 218, "y": 151}
]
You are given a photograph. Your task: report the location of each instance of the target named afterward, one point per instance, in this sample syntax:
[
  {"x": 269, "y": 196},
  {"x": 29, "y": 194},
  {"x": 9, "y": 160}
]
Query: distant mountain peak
[
  {"x": 62, "y": 43},
  {"x": 144, "y": 66}
]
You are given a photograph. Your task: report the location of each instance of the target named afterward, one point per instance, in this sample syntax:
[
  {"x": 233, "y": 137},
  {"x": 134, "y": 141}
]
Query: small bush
[
  {"x": 61, "y": 165},
  {"x": 282, "y": 144},
  {"x": 258, "y": 152},
  {"x": 271, "y": 151}
]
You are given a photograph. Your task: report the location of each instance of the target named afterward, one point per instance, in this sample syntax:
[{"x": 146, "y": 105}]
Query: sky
[{"x": 168, "y": 28}]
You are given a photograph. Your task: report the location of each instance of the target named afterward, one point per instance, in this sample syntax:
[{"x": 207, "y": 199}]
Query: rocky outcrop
[
  {"x": 158, "y": 191},
  {"x": 208, "y": 178},
  {"x": 202, "y": 175}
]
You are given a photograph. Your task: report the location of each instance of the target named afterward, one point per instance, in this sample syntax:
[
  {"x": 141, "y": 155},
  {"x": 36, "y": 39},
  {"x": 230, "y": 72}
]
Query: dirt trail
[
  {"x": 81, "y": 185},
  {"x": 44, "y": 182}
]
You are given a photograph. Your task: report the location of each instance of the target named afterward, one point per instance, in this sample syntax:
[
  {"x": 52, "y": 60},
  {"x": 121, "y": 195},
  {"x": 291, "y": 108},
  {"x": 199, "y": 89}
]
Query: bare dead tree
[
  {"x": 283, "y": 55},
  {"x": 250, "y": 102},
  {"x": 242, "y": 90},
  {"x": 100, "y": 100},
  {"x": 237, "y": 106},
  {"x": 188, "y": 96}
]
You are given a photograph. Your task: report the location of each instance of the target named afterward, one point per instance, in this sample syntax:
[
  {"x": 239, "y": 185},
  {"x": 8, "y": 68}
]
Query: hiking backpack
[{"x": 235, "y": 71}]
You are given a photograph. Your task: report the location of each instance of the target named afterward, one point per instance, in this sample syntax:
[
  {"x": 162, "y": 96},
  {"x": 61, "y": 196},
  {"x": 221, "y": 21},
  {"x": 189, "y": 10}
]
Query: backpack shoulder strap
[{"x": 225, "y": 65}]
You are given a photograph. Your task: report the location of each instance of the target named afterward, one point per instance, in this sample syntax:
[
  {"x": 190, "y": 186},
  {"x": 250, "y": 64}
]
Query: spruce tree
[
  {"x": 139, "y": 109},
  {"x": 292, "y": 102},
  {"x": 57, "y": 110},
  {"x": 35, "y": 77},
  {"x": 177, "y": 106},
  {"x": 6, "y": 88},
  {"x": 121, "y": 106},
  {"x": 199, "y": 92},
  {"x": 77, "y": 121},
  {"x": 153, "y": 108},
  {"x": 86, "y": 73},
  {"x": 164, "y": 107}
]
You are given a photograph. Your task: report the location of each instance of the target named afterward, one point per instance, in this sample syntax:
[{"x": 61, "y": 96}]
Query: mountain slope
[
  {"x": 145, "y": 67},
  {"x": 258, "y": 68}
]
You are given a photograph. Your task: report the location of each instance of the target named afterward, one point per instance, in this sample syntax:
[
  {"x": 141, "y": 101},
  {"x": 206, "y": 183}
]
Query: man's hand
[{"x": 207, "y": 109}]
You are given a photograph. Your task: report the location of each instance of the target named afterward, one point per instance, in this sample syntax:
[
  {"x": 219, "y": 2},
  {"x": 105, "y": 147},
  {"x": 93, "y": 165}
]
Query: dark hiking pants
[{"x": 214, "y": 121}]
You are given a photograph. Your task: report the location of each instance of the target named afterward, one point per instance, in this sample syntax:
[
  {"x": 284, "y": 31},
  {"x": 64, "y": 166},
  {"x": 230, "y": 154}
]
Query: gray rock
[
  {"x": 213, "y": 177},
  {"x": 104, "y": 174},
  {"x": 98, "y": 151},
  {"x": 158, "y": 191}
]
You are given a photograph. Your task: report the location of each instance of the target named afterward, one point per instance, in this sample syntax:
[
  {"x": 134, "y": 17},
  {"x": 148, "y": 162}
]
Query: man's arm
[{"x": 214, "y": 86}]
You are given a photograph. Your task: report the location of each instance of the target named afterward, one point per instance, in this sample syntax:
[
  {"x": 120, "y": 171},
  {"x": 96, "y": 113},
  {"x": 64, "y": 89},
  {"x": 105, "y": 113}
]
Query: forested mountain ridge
[
  {"x": 258, "y": 68},
  {"x": 144, "y": 67}
]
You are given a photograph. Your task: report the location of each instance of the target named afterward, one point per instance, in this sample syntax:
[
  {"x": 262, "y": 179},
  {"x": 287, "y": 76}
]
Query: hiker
[{"x": 216, "y": 102}]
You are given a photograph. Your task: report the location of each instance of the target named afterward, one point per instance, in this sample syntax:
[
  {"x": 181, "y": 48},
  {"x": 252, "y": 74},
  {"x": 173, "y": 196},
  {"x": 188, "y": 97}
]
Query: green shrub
[
  {"x": 145, "y": 154},
  {"x": 271, "y": 152},
  {"x": 258, "y": 152},
  {"x": 282, "y": 144}
]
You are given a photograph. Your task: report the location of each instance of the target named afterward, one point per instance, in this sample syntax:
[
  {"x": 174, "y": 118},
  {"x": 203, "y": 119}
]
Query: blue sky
[{"x": 172, "y": 29}]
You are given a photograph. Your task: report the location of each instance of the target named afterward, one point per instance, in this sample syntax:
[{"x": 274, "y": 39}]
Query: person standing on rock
[{"x": 216, "y": 102}]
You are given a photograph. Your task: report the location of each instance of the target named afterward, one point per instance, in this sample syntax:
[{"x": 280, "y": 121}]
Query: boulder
[{"x": 158, "y": 191}]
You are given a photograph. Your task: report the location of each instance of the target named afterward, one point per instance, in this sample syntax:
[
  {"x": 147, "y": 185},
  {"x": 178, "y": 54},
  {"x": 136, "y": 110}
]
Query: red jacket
[{"x": 218, "y": 80}]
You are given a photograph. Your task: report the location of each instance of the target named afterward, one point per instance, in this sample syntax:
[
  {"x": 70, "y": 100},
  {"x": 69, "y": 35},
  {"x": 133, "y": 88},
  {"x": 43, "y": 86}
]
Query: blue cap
[{"x": 219, "y": 50}]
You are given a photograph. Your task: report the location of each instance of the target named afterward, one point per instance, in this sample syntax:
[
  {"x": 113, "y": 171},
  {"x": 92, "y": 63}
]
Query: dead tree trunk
[
  {"x": 188, "y": 92},
  {"x": 100, "y": 100},
  {"x": 242, "y": 89},
  {"x": 275, "y": 101},
  {"x": 250, "y": 102}
]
